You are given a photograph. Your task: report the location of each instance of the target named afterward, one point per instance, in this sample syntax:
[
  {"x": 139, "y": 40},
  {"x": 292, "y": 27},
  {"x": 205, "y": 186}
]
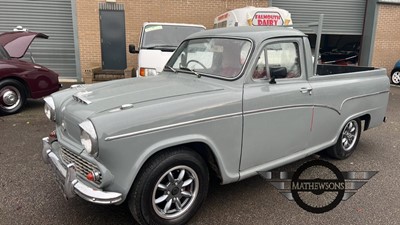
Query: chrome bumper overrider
[{"x": 70, "y": 185}]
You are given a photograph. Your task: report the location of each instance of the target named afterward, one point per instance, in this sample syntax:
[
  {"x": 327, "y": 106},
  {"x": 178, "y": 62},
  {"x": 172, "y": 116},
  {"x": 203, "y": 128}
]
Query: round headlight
[
  {"x": 47, "y": 111},
  {"x": 86, "y": 141},
  {"x": 49, "y": 108},
  {"x": 88, "y": 137}
]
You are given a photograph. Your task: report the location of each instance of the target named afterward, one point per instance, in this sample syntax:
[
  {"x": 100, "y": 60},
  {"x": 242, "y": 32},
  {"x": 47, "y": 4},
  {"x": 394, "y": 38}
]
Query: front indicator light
[
  {"x": 143, "y": 72},
  {"x": 53, "y": 134},
  {"x": 93, "y": 176}
]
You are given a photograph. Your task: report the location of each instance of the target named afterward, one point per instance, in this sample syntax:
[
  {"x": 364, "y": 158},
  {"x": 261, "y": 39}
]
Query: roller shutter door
[
  {"x": 342, "y": 17},
  {"x": 51, "y": 17}
]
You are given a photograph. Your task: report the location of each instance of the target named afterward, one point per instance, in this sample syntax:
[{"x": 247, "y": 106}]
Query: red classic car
[{"x": 19, "y": 79}]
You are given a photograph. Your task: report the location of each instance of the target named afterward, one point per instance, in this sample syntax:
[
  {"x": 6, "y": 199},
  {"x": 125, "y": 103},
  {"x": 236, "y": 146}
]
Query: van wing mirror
[{"x": 132, "y": 49}]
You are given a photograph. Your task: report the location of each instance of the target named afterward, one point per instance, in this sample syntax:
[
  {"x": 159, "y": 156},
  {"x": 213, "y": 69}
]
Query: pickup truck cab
[
  {"x": 157, "y": 43},
  {"x": 229, "y": 103}
]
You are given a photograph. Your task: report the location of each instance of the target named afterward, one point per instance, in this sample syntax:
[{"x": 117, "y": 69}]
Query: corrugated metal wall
[
  {"x": 340, "y": 16},
  {"x": 51, "y": 17}
]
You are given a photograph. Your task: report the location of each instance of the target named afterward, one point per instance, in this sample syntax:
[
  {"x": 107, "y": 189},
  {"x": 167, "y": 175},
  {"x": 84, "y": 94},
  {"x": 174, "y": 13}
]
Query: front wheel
[
  {"x": 395, "y": 77},
  {"x": 347, "y": 141},
  {"x": 170, "y": 189}
]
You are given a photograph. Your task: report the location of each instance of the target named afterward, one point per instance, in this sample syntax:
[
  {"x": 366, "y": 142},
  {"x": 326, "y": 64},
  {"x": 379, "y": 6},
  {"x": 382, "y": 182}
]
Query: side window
[
  {"x": 261, "y": 68},
  {"x": 279, "y": 60}
]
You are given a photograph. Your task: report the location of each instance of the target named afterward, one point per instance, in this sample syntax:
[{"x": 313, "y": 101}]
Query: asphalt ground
[{"x": 29, "y": 194}]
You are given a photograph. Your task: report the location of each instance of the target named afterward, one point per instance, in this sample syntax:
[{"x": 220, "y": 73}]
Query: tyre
[
  {"x": 347, "y": 141},
  {"x": 12, "y": 96},
  {"x": 170, "y": 188},
  {"x": 395, "y": 77}
]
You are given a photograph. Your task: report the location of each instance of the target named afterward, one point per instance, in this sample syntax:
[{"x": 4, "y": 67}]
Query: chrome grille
[{"x": 83, "y": 167}]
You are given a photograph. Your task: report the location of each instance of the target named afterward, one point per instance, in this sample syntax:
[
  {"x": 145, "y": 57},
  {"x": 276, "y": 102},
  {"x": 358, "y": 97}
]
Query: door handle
[{"x": 306, "y": 90}]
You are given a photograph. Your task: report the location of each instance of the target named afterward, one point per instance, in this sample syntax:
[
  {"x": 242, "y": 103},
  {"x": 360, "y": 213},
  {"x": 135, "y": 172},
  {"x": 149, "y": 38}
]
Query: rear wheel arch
[
  {"x": 339, "y": 150},
  {"x": 366, "y": 118}
]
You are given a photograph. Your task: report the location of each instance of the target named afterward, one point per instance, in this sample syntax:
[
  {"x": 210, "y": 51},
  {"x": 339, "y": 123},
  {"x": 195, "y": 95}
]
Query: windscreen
[
  {"x": 166, "y": 36},
  {"x": 223, "y": 57}
]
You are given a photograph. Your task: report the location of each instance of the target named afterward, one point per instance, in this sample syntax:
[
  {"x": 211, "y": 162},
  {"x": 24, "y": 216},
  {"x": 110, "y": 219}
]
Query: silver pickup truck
[{"x": 229, "y": 103}]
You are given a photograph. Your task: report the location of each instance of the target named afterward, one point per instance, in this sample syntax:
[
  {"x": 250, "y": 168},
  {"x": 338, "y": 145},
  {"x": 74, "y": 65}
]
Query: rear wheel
[
  {"x": 395, "y": 78},
  {"x": 347, "y": 141},
  {"x": 170, "y": 189},
  {"x": 12, "y": 96}
]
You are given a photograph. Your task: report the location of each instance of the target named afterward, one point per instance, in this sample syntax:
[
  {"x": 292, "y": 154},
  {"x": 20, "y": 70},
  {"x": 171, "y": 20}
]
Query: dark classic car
[
  {"x": 395, "y": 74},
  {"x": 19, "y": 79}
]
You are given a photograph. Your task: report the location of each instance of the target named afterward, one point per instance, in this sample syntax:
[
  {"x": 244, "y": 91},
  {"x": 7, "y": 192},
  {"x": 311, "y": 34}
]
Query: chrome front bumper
[{"x": 70, "y": 185}]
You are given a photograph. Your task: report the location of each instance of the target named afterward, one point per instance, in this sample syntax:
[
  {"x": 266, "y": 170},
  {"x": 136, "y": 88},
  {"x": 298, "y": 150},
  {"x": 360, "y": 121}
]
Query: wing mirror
[
  {"x": 276, "y": 73},
  {"x": 132, "y": 49}
]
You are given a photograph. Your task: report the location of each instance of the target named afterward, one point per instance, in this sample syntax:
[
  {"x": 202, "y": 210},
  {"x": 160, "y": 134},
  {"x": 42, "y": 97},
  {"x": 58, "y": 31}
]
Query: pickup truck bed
[{"x": 324, "y": 69}]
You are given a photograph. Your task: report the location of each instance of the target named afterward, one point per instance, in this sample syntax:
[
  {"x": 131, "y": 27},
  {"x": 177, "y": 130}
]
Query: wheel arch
[
  {"x": 201, "y": 147},
  {"x": 362, "y": 116},
  {"x": 367, "y": 119},
  {"x": 27, "y": 88},
  {"x": 205, "y": 149},
  {"x": 143, "y": 184}
]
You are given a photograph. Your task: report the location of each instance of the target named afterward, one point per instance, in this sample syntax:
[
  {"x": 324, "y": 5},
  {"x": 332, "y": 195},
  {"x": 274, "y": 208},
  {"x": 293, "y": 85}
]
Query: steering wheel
[{"x": 195, "y": 61}]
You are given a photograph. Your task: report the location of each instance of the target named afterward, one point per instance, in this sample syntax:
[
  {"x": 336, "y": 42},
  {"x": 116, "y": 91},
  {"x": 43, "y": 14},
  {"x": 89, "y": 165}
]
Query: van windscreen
[{"x": 166, "y": 36}]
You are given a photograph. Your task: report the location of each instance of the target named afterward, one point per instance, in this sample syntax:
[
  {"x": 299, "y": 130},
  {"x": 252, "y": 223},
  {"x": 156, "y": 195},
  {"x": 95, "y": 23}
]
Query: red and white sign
[{"x": 267, "y": 19}]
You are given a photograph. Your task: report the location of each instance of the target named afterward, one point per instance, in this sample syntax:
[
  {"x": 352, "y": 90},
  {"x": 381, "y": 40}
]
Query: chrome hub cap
[
  {"x": 396, "y": 77},
  {"x": 349, "y": 135},
  {"x": 9, "y": 97},
  {"x": 175, "y": 192}
]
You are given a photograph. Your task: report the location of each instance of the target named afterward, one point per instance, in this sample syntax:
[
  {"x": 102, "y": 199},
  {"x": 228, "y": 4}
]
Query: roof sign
[{"x": 267, "y": 19}]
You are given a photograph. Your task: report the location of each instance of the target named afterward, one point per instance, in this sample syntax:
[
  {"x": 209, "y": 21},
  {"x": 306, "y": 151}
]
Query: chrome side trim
[
  {"x": 362, "y": 96},
  {"x": 289, "y": 106},
  {"x": 328, "y": 107},
  {"x": 155, "y": 129},
  {"x": 255, "y": 111}
]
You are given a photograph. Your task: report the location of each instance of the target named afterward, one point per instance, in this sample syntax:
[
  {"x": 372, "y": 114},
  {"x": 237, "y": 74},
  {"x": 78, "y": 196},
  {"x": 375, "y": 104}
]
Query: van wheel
[
  {"x": 170, "y": 189},
  {"x": 12, "y": 97},
  {"x": 395, "y": 78},
  {"x": 347, "y": 141}
]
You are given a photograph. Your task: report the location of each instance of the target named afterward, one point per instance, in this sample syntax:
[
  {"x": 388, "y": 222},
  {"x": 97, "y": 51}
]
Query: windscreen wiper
[
  {"x": 170, "y": 67},
  {"x": 190, "y": 70}
]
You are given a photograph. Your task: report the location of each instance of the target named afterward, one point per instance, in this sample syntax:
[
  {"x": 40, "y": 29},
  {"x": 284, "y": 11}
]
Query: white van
[
  {"x": 157, "y": 43},
  {"x": 252, "y": 16}
]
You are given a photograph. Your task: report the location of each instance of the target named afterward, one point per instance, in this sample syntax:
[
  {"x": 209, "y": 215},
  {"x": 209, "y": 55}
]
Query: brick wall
[
  {"x": 387, "y": 38},
  {"x": 139, "y": 11}
]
